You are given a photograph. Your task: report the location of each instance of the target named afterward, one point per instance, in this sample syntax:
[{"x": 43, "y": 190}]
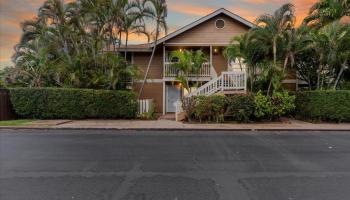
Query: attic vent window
[{"x": 220, "y": 24}]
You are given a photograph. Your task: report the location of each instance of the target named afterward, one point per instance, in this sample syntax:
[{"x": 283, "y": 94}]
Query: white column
[
  {"x": 211, "y": 56},
  {"x": 164, "y": 94}
]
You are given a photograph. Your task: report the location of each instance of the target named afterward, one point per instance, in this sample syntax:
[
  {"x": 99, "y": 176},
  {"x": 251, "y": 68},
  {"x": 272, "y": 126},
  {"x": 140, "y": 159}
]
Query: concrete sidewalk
[{"x": 286, "y": 124}]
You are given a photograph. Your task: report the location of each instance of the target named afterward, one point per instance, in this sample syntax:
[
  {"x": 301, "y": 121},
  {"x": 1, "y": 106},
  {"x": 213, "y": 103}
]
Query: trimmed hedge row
[
  {"x": 324, "y": 105},
  {"x": 62, "y": 103}
]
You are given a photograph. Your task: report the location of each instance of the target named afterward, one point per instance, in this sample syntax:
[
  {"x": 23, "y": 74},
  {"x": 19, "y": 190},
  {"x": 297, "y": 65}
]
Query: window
[
  {"x": 175, "y": 59},
  {"x": 220, "y": 24}
]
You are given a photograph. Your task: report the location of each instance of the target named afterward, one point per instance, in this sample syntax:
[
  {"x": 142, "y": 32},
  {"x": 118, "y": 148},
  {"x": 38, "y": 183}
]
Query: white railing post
[{"x": 145, "y": 105}]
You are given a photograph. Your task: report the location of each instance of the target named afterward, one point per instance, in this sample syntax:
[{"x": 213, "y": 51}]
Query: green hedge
[
  {"x": 240, "y": 107},
  {"x": 324, "y": 105},
  {"x": 58, "y": 103}
]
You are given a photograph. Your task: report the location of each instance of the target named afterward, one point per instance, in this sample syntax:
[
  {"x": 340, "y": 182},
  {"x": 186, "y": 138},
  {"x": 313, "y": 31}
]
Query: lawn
[{"x": 15, "y": 122}]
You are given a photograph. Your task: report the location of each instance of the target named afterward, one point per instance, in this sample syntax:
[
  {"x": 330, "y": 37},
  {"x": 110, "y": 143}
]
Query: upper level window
[
  {"x": 220, "y": 24},
  {"x": 175, "y": 59}
]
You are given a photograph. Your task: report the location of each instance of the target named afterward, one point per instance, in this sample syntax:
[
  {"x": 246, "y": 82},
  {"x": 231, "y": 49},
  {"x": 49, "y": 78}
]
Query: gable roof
[
  {"x": 204, "y": 19},
  {"x": 147, "y": 47}
]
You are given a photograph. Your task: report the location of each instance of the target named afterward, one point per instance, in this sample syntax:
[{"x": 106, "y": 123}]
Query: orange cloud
[{"x": 189, "y": 9}]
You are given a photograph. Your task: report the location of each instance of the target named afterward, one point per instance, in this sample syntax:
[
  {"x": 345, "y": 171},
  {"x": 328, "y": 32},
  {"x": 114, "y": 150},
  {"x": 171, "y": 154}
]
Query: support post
[{"x": 164, "y": 97}]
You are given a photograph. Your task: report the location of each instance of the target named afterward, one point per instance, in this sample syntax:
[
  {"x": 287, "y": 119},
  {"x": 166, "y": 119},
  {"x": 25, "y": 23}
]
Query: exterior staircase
[{"x": 226, "y": 83}]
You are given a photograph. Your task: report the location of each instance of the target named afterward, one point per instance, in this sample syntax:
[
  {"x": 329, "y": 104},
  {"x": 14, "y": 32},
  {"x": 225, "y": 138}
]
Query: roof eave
[{"x": 203, "y": 19}]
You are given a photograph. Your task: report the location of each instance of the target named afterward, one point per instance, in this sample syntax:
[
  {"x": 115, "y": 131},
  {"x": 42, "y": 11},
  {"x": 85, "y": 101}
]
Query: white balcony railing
[{"x": 171, "y": 72}]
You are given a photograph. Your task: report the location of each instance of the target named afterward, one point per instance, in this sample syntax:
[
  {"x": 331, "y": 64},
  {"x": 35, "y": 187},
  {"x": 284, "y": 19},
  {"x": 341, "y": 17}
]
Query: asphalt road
[{"x": 189, "y": 165}]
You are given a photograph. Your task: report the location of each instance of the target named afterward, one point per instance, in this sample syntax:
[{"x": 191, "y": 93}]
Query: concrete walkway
[{"x": 286, "y": 124}]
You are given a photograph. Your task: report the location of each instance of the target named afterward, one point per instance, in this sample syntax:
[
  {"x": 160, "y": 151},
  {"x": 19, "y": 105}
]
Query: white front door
[{"x": 173, "y": 94}]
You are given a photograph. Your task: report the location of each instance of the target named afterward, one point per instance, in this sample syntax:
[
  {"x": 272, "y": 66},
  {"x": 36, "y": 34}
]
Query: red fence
[{"x": 6, "y": 111}]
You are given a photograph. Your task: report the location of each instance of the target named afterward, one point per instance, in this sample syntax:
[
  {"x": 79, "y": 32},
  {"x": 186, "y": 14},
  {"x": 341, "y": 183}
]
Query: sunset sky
[{"x": 181, "y": 12}]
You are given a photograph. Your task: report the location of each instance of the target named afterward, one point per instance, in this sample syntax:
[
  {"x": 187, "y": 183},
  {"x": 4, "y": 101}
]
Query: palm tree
[
  {"x": 271, "y": 29},
  {"x": 275, "y": 25},
  {"x": 158, "y": 13},
  {"x": 189, "y": 62},
  {"x": 294, "y": 41},
  {"x": 327, "y": 11},
  {"x": 235, "y": 51},
  {"x": 331, "y": 43},
  {"x": 131, "y": 22}
]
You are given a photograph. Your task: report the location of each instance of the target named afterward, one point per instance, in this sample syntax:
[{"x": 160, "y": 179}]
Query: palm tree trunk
[
  {"x": 150, "y": 61},
  {"x": 343, "y": 67},
  {"x": 269, "y": 88},
  {"x": 285, "y": 62},
  {"x": 126, "y": 45},
  {"x": 120, "y": 40},
  {"x": 274, "y": 51},
  {"x": 319, "y": 76}
]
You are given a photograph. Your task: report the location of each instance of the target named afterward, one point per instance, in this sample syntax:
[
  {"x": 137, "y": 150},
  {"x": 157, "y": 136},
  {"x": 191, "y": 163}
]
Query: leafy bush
[
  {"x": 189, "y": 107},
  {"x": 55, "y": 103},
  {"x": 263, "y": 106},
  {"x": 324, "y": 105},
  {"x": 210, "y": 108},
  {"x": 240, "y": 107},
  {"x": 266, "y": 107},
  {"x": 282, "y": 104}
]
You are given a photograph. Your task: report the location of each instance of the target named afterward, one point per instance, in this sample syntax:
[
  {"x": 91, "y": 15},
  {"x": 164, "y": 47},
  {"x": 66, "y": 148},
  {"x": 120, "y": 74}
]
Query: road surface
[{"x": 172, "y": 165}]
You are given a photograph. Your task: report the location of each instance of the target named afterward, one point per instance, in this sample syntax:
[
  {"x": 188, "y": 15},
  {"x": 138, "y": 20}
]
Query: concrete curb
[{"x": 173, "y": 129}]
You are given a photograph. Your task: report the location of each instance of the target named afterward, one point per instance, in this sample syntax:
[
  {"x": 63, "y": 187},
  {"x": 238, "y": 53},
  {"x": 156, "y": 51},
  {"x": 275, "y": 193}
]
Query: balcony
[{"x": 171, "y": 72}]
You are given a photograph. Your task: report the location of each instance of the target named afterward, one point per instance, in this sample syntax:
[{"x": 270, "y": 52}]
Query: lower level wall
[{"x": 151, "y": 91}]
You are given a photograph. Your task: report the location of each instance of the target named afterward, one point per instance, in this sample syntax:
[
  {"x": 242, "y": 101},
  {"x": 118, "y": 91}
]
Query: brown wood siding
[
  {"x": 289, "y": 86},
  {"x": 207, "y": 32},
  {"x": 152, "y": 91},
  {"x": 156, "y": 70},
  {"x": 219, "y": 63},
  {"x": 291, "y": 75}
]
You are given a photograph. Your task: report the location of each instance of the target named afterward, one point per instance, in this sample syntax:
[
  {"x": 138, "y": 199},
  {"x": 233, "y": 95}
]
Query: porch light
[
  {"x": 215, "y": 50},
  {"x": 180, "y": 50}
]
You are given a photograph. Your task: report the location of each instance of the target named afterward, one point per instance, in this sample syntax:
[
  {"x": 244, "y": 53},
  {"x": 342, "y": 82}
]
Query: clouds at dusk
[{"x": 181, "y": 12}]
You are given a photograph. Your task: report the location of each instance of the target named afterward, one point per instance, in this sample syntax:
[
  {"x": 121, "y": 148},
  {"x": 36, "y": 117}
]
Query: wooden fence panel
[{"x": 6, "y": 111}]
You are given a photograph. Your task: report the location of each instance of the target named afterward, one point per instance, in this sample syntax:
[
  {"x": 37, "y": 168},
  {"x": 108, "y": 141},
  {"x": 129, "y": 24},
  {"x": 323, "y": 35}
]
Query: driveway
[{"x": 169, "y": 165}]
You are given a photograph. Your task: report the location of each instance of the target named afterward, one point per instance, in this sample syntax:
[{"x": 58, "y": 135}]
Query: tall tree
[
  {"x": 271, "y": 29},
  {"x": 158, "y": 13},
  {"x": 331, "y": 44},
  {"x": 327, "y": 11}
]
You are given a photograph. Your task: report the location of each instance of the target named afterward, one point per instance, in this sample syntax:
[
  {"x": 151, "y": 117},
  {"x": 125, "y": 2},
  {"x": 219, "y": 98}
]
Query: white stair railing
[{"x": 228, "y": 81}]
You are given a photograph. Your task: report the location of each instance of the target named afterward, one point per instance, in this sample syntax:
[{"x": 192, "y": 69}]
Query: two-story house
[{"x": 211, "y": 34}]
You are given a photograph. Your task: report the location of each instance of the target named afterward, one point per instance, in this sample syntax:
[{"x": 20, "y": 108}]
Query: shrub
[
  {"x": 58, "y": 103},
  {"x": 280, "y": 104},
  {"x": 263, "y": 106},
  {"x": 189, "y": 106},
  {"x": 240, "y": 107},
  {"x": 324, "y": 105},
  {"x": 210, "y": 108}
]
